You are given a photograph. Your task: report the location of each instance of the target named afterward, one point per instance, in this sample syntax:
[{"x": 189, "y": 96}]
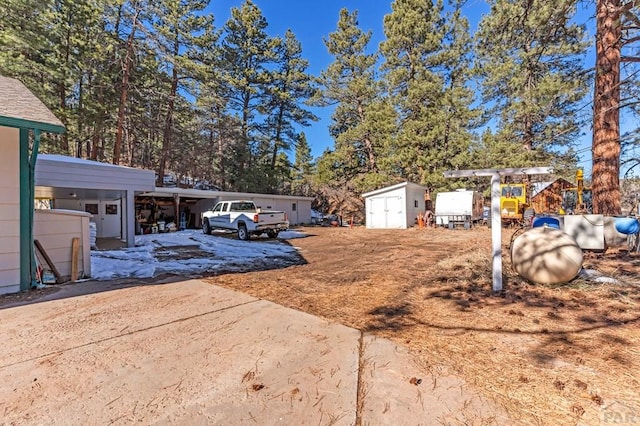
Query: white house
[
  {"x": 396, "y": 206},
  {"x": 23, "y": 117}
]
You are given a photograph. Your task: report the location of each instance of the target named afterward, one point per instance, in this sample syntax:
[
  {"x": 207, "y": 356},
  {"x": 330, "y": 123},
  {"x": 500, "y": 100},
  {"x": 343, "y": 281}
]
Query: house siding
[
  {"x": 301, "y": 215},
  {"x": 9, "y": 210},
  {"x": 415, "y": 195}
]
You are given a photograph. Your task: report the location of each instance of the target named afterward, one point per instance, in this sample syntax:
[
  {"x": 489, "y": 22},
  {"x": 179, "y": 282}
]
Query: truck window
[
  {"x": 218, "y": 207},
  {"x": 511, "y": 191},
  {"x": 242, "y": 207},
  {"x": 225, "y": 207}
]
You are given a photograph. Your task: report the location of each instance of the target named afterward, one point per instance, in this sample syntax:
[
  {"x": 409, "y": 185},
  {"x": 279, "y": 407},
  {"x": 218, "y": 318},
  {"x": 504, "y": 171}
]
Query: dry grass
[{"x": 547, "y": 354}]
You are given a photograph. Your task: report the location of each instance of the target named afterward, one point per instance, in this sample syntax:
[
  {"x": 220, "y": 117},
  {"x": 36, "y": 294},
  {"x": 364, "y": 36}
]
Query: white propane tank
[{"x": 546, "y": 255}]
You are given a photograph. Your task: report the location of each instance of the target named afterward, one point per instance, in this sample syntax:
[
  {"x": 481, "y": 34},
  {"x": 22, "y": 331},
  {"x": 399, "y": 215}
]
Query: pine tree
[
  {"x": 350, "y": 83},
  {"x": 303, "y": 167},
  {"x": 529, "y": 61},
  {"x": 246, "y": 53},
  {"x": 182, "y": 33},
  {"x": 427, "y": 56},
  {"x": 49, "y": 46},
  {"x": 24, "y": 44},
  {"x": 130, "y": 18},
  {"x": 290, "y": 88},
  {"x": 617, "y": 27}
]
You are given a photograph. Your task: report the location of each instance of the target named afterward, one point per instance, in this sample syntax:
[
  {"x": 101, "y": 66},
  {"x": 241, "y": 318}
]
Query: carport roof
[
  {"x": 21, "y": 108},
  {"x": 197, "y": 193},
  {"x": 59, "y": 176}
]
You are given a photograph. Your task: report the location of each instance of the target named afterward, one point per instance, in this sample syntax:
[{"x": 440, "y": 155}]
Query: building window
[
  {"x": 293, "y": 207},
  {"x": 415, "y": 203},
  {"x": 111, "y": 209},
  {"x": 91, "y": 208}
]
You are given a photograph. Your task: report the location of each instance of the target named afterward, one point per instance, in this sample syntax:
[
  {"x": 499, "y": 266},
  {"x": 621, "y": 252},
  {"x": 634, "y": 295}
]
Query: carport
[
  {"x": 107, "y": 191},
  {"x": 191, "y": 203}
]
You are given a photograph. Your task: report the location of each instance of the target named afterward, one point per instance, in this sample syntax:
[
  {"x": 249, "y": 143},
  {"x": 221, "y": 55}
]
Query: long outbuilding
[{"x": 124, "y": 201}]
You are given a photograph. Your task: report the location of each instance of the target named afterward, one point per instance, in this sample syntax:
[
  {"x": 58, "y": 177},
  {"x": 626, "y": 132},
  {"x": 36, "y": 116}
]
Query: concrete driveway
[{"x": 194, "y": 353}]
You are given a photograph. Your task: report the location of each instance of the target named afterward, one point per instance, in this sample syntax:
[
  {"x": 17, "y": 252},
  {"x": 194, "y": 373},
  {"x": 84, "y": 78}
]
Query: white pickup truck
[{"x": 245, "y": 218}]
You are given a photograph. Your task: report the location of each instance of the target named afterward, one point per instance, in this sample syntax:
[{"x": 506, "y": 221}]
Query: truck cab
[{"x": 513, "y": 201}]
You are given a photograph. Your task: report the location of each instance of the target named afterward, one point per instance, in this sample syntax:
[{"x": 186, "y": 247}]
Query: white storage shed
[{"x": 397, "y": 206}]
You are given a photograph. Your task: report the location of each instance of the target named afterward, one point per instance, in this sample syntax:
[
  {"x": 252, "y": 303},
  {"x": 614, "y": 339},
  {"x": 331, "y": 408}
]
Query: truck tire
[
  {"x": 272, "y": 234},
  {"x": 205, "y": 227},
  {"x": 243, "y": 234}
]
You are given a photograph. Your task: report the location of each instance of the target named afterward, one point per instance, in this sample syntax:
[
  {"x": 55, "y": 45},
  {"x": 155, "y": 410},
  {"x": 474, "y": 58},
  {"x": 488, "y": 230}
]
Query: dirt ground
[{"x": 561, "y": 354}]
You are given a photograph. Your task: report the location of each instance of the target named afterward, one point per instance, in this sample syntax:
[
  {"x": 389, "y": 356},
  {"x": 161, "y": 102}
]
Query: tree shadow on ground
[{"x": 568, "y": 321}]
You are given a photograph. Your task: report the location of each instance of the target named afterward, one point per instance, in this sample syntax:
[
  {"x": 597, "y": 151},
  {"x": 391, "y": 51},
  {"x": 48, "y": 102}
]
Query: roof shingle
[{"x": 16, "y": 101}]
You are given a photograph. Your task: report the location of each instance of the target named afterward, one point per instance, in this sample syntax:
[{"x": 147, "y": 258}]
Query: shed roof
[
  {"x": 393, "y": 187},
  {"x": 538, "y": 187},
  {"x": 21, "y": 108}
]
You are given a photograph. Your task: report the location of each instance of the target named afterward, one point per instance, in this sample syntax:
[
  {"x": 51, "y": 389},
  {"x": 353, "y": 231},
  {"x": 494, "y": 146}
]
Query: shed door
[
  {"x": 395, "y": 212},
  {"x": 386, "y": 212},
  {"x": 377, "y": 213}
]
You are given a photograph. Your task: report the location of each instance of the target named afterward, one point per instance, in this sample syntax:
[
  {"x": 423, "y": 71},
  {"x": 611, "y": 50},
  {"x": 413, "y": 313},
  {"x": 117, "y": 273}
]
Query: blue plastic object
[
  {"x": 551, "y": 222},
  {"x": 627, "y": 225}
]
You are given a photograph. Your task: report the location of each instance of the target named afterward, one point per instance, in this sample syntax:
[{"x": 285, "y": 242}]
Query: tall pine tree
[
  {"x": 246, "y": 53},
  {"x": 360, "y": 113},
  {"x": 290, "y": 88},
  {"x": 617, "y": 38},
  {"x": 530, "y": 64},
  {"x": 303, "y": 167},
  {"x": 182, "y": 33},
  {"x": 426, "y": 61}
]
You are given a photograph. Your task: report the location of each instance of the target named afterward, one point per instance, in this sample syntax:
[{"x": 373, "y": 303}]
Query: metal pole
[
  {"x": 496, "y": 232},
  {"x": 496, "y": 220}
]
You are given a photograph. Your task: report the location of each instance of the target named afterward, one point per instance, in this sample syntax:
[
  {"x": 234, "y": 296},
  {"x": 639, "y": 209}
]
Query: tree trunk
[
  {"x": 606, "y": 115},
  {"x": 368, "y": 143},
  {"x": 80, "y": 116},
  {"x": 168, "y": 124},
  {"x": 126, "y": 71},
  {"x": 95, "y": 141}
]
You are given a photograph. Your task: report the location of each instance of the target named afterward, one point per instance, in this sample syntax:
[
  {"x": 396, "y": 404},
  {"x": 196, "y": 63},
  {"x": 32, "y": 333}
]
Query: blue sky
[{"x": 311, "y": 21}]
